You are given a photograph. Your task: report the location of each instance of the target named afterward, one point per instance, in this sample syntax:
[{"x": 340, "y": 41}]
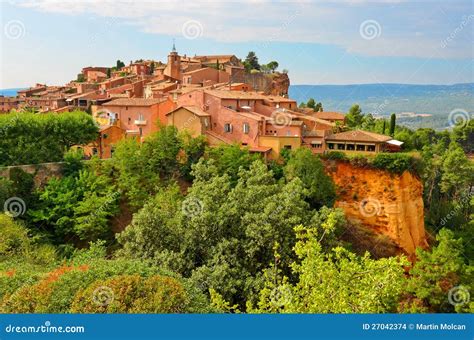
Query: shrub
[
  {"x": 132, "y": 294},
  {"x": 36, "y": 298},
  {"x": 334, "y": 155},
  {"x": 395, "y": 162}
]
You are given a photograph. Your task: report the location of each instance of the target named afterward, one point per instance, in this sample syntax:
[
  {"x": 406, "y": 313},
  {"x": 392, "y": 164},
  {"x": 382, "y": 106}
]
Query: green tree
[
  {"x": 309, "y": 168},
  {"x": 29, "y": 138},
  {"x": 272, "y": 65},
  {"x": 334, "y": 282},
  {"x": 119, "y": 65},
  {"x": 311, "y": 103},
  {"x": 142, "y": 167},
  {"x": 355, "y": 117},
  {"x": 435, "y": 273},
  {"x": 251, "y": 61},
  {"x": 221, "y": 234},
  {"x": 109, "y": 72},
  {"x": 393, "y": 119}
]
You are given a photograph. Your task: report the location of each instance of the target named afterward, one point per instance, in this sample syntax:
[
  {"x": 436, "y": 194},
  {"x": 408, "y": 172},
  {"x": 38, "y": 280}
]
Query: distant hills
[
  {"x": 10, "y": 92},
  {"x": 384, "y": 99}
]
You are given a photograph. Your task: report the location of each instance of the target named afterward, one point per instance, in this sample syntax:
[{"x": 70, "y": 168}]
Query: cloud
[{"x": 407, "y": 29}]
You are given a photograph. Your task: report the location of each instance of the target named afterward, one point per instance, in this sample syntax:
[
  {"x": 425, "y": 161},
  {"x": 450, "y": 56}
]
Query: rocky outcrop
[
  {"x": 271, "y": 84},
  {"x": 386, "y": 203}
]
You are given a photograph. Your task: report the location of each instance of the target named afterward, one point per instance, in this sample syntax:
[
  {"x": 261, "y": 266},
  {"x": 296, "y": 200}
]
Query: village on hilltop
[{"x": 212, "y": 95}]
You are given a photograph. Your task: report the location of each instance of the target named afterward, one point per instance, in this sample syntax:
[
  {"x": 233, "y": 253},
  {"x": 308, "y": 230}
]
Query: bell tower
[{"x": 173, "y": 68}]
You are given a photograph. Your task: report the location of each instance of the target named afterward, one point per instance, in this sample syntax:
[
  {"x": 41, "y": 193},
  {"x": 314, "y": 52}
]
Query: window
[
  {"x": 331, "y": 146},
  {"x": 246, "y": 128},
  {"x": 94, "y": 151},
  {"x": 140, "y": 117},
  {"x": 288, "y": 147},
  {"x": 371, "y": 148},
  {"x": 360, "y": 147},
  {"x": 206, "y": 123},
  {"x": 316, "y": 145},
  {"x": 129, "y": 120},
  {"x": 341, "y": 146},
  {"x": 228, "y": 127},
  {"x": 350, "y": 147}
]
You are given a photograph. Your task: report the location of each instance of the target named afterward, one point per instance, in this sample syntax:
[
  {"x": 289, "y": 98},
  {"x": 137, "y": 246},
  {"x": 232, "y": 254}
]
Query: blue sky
[{"x": 324, "y": 42}]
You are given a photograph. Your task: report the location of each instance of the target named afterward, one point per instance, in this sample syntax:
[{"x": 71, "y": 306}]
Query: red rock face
[{"x": 386, "y": 203}]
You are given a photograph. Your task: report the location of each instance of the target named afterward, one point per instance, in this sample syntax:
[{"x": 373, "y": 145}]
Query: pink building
[{"x": 138, "y": 116}]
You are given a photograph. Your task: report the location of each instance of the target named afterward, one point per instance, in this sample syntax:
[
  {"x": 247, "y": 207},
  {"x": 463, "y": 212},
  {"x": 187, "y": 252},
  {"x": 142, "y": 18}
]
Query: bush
[
  {"x": 36, "y": 298},
  {"x": 132, "y": 294},
  {"x": 334, "y": 155},
  {"x": 395, "y": 162}
]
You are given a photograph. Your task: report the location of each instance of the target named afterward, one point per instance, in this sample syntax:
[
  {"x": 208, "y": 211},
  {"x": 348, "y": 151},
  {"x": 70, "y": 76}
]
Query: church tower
[{"x": 173, "y": 68}]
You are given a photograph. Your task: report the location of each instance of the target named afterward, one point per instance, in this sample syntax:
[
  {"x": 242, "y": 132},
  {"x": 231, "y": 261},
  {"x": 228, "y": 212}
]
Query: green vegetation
[
  {"x": 27, "y": 138},
  {"x": 173, "y": 226}
]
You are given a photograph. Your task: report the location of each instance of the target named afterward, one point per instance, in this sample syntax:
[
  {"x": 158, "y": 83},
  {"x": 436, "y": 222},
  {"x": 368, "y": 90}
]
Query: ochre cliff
[
  {"x": 386, "y": 203},
  {"x": 271, "y": 84}
]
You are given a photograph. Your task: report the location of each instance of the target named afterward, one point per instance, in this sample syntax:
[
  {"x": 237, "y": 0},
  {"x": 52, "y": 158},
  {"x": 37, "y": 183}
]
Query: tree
[
  {"x": 76, "y": 206},
  {"x": 152, "y": 68},
  {"x": 311, "y": 103},
  {"x": 336, "y": 281},
  {"x": 384, "y": 127},
  {"x": 119, "y": 64},
  {"x": 143, "y": 167},
  {"x": 109, "y": 72},
  {"x": 28, "y": 138},
  {"x": 221, "y": 235},
  {"x": 355, "y": 117},
  {"x": 436, "y": 272},
  {"x": 457, "y": 172},
  {"x": 309, "y": 168},
  {"x": 272, "y": 65},
  {"x": 80, "y": 78},
  {"x": 251, "y": 61},
  {"x": 393, "y": 119}
]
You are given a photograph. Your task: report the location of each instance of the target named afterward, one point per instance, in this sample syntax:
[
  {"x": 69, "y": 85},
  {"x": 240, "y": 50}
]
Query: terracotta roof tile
[
  {"x": 359, "y": 136},
  {"x": 134, "y": 102}
]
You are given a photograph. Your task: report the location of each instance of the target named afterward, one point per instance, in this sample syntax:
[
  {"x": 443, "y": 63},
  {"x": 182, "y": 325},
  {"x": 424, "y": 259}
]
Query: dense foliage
[
  {"x": 171, "y": 225},
  {"x": 28, "y": 138}
]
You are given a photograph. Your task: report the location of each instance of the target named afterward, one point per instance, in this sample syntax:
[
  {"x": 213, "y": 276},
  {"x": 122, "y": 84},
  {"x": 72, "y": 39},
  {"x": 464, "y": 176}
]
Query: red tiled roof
[
  {"x": 134, "y": 102},
  {"x": 359, "y": 136},
  {"x": 329, "y": 115}
]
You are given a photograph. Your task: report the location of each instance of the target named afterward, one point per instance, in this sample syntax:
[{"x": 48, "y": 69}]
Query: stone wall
[{"x": 42, "y": 172}]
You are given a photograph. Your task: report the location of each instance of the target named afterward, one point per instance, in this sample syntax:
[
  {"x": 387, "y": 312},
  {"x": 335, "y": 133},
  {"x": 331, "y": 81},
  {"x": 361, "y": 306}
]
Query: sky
[{"x": 323, "y": 42}]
